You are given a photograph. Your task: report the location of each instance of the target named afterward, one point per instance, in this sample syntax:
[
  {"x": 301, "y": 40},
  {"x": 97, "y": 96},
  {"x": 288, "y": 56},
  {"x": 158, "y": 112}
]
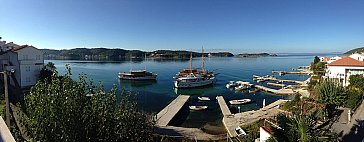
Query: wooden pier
[
  {"x": 274, "y": 91},
  {"x": 166, "y": 114}
]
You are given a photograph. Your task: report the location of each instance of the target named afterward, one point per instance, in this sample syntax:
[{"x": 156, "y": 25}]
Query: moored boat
[
  {"x": 203, "y": 98},
  {"x": 198, "y": 107},
  {"x": 137, "y": 75},
  {"x": 231, "y": 84},
  {"x": 239, "y": 102},
  {"x": 190, "y": 77}
]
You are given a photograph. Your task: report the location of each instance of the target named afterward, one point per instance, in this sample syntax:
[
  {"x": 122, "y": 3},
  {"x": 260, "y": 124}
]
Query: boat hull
[
  {"x": 179, "y": 84},
  {"x": 154, "y": 77}
]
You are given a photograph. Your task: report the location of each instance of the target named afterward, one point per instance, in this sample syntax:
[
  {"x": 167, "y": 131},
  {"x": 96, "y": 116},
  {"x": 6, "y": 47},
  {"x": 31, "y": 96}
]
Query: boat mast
[
  {"x": 191, "y": 61},
  {"x": 203, "y": 61}
]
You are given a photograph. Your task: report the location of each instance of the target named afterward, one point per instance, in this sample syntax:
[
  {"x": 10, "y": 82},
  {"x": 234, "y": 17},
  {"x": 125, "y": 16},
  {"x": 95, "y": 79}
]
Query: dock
[
  {"x": 249, "y": 117},
  {"x": 223, "y": 106},
  {"x": 274, "y": 91},
  {"x": 291, "y": 72},
  {"x": 167, "y": 114},
  {"x": 276, "y": 84}
]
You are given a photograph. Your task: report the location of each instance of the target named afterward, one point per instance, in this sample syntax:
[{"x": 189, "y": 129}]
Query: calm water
[{"x": 154, "y": 96}]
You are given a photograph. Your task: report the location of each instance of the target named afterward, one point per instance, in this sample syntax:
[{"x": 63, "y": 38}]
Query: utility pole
[{"x": 7, "y": 104}]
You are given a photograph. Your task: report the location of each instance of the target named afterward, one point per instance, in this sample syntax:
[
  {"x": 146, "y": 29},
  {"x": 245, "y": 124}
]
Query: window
[{"x": 27, "y": 68}]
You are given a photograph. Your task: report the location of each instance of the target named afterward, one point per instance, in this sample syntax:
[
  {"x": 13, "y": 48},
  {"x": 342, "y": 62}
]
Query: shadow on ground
[{"x": 356, "y": 132}]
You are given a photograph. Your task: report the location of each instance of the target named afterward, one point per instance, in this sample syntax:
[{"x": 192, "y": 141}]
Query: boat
[
  {"x": 198, "y": 107},
  {"x": 254, "y": 91},
  {"x": 203, "y": 98},
  {"x": 239, "y": 102},
  {"x": 243, "y": 85},
  {"x": 231, "y": 84},
  {"x": 240, "y": 132},
  {"x": 191, "y": 77},
  {"x": 137, "y": 75}
]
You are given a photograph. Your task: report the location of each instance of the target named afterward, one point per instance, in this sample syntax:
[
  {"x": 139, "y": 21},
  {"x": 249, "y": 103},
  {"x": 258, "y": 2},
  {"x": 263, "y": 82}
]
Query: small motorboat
[
  {"x": 240, "y": 132},
  {"x": 231, "y": 84},
  {"x": 203, "y": 98},
  {"x": 254, "y": 91},
  {"x": 239, "y": 102},
  {"x": 198, "y": 107}
]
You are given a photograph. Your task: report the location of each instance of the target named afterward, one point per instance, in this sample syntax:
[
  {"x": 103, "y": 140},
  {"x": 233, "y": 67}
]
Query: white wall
[
  {"x": 264, "y": 135},
  {"x": 30, "y": 63},
  {"x": 341, "y": 72}
]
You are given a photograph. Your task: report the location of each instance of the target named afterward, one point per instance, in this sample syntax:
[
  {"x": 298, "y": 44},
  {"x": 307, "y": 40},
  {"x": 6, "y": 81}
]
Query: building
[
  {"x": 264, "y": 134},
  {"x": 343, "y": 68},
  {"x": 25, "y": 62}
]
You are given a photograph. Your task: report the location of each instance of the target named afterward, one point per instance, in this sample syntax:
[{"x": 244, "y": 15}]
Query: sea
[{"x": 153, "y": 96}]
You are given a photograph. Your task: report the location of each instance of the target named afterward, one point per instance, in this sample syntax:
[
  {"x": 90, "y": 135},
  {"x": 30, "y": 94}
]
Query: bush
[
  {"x": 354, "y": 97},
  {"x": 67, "y": 110}
]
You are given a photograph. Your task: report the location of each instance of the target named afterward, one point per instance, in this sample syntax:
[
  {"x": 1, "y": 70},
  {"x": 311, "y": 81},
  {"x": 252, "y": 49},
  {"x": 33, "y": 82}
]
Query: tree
[
  {"x": 51, "y": 66},
  {"x": 316, "y": 60},
  {"x": 72, "y": 110},
  {"x": 357, "y": 81},
  {"x": 331, "y": 93}
]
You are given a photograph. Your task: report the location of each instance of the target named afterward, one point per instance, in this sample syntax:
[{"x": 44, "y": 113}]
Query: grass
[{"x": 2, "y": 108}]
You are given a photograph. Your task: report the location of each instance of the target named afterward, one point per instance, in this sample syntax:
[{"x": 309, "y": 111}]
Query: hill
[
  {"x": 121, "y": 54},
  {"x": 356, "y": 50}
]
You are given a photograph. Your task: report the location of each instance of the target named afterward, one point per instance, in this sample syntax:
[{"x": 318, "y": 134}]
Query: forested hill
[
  {"x": 119, "y": 54},
  {"x": 356, "y": 50}
]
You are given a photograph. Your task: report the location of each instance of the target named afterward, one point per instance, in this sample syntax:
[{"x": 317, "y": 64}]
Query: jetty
[
  {"x": 223, "y": 106},
  {"x": 166, "y": 114},
  {"x": 248, "y": 117},
  {"x": 274, "y": 91},
  {"x": 291, "y": 72},
  {"x": 276, "y": 84}
]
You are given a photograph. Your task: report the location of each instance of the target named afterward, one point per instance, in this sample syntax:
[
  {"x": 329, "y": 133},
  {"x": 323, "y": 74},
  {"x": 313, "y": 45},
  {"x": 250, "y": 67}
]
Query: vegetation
[
  {"x": 356, "y": 50},
  {"x": 73, "y": 110},
  {"x": 354, "y": 91},
  {"x": 256, "y": 55},
  {"x": 120, "y": 54},
  {"x": 301, "y": 128}
]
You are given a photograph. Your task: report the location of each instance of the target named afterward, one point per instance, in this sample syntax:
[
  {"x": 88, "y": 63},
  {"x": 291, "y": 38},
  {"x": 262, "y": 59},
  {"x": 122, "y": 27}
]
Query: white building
[
  {"x": 343, "y": 68},
  {"x": 26, "y": 61},
  {"x": 264, "y": 134}
]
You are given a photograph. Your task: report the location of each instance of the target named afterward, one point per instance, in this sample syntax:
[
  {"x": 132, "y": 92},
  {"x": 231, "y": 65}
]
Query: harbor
[{"x": 159, "y": 97}]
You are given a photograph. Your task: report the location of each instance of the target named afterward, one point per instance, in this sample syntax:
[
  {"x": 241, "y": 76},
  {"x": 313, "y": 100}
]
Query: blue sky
[{"x": 239, "y": 26}]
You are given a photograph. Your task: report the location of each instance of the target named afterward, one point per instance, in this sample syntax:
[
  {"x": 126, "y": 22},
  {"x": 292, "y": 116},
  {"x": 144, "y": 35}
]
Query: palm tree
[{"x": 51, "y": 66}]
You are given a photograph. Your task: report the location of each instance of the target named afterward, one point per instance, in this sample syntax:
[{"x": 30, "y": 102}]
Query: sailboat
[
  {"x": 138, "y": 74},
  {"x": 191, "y": 77}
]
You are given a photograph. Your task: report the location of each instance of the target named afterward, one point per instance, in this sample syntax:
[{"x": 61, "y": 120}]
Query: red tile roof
[
  {"x": 267, "y": 130},
  {"x": 347, "y": 61},
  {"x": 20, "y": 47}
]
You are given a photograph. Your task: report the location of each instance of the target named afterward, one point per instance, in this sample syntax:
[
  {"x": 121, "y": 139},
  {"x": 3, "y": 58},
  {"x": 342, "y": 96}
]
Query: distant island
[
  {"x": 356, "y": 50},
  {"x": 122, "y": 54},
  {"x": 255, "y": 55}
]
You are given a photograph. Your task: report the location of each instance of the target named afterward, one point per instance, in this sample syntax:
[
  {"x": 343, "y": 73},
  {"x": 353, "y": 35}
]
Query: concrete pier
[
  {"x": 166, "y": 114},
  {"x": 274, "y": 91},
  {"x": 223, "y": 106}
]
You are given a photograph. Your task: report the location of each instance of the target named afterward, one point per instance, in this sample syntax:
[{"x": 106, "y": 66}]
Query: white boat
[
  {"x": 239, "y": 102},
  {"x": 137, "y": 75},
  {"x": 243, "y": 85},
  {"x": 240, "y": 132},
  {"x": 231, "y": 84},
  {"x": 190, "y": 77},
  {"x": 198, "y": 107},
  {"x": 203, "y": 98}
]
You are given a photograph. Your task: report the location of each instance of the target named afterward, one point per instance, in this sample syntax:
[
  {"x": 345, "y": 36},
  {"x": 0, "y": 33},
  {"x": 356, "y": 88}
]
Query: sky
[{"x": 238, "y": 26}]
